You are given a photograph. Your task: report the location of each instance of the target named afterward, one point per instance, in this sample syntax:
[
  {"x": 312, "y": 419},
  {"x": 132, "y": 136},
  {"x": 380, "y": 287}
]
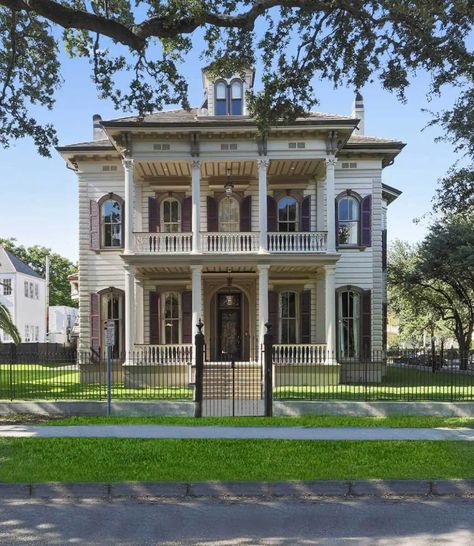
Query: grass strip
[{"x": 33, "y": 460}]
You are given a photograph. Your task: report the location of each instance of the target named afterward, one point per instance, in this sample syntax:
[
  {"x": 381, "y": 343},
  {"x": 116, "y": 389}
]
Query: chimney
[
  {"x": 358, "y": 112},
  {"x": 97, "y": 132}
]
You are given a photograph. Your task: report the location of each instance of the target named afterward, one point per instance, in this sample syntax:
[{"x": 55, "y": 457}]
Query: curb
[{"x": 300, "y": 489}]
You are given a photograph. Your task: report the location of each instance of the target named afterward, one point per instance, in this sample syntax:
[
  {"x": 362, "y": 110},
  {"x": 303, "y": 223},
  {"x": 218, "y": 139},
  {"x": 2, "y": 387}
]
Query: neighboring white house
[
  {"x": 23, "y": 292},
  {"x": 190, "y": 214},
  {"x": 61, "y": 320}
]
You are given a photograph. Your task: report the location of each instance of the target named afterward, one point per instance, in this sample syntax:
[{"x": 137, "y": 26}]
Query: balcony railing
[
  {"x": 303, "y": 353},
  {"x": 297, "y": 242},
  {"x": 229, "y": 243},
  {"x": 163, "y": 354},
  {"x": 163, "y": 243}
]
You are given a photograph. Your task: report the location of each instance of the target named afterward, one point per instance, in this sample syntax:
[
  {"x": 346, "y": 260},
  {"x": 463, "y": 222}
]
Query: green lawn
[
  {"x": 84, "y": 459},
  {"x": 304, "y": 421}
]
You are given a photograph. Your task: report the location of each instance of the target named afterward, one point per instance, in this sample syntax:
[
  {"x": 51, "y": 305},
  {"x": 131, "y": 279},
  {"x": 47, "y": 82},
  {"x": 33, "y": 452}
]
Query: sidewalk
[{"x": 244, "y": 433}]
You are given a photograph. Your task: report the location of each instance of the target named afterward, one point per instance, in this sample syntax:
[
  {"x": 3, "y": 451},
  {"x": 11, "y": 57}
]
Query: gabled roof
[
  {"x": 21, "y": 267},
  {"x": 369, "y": 141},
  {"x": 98, "y": 145}
]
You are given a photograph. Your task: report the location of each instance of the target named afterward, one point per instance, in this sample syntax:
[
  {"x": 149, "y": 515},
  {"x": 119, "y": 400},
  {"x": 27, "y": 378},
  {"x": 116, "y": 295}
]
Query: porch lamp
[{"x": 229, "y": 187}]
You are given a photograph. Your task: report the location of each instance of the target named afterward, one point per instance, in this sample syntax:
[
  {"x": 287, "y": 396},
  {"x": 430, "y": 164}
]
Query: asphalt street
[{"x": 373, "y": 522}]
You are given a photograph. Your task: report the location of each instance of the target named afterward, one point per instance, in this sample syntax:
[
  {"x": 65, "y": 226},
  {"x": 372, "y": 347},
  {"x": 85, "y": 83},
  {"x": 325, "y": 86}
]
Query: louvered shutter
[
  {"x": 272, "y": 212},
  {"x": 153, "y": 215},
  {"x": 384, "y": 249},
  {"x": 94, "y": 322},
  {"x": 273, "y": 314},
  {"x": 336, "y": 217},
  {"x": 305, "y": 216},
  {"x": 186, "y": 215},
  {"x": 154, "y": 318},
  {"x": 187, "y": 314},
  {"x": 366, "y": 221},
  {"x": 94, "y": 225},
  {"x": 366, "y": 324},
  {"x": 246, "y": 214},
  {"x": 305, "y": 316},
  {"x": 212, "y": 218}
]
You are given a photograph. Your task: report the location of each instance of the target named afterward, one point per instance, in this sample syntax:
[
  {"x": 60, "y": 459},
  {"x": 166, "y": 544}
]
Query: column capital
[
  {"x": 329, "y": 269},
  {"x": 331, "y": 161},
  {"x": 196, "y": 268},
  {"x": 196, "y": 163},
  {"x": 263, "y": 163},
  {"x": 127, "y": 163},
  {"x": 263, "y": 267}
]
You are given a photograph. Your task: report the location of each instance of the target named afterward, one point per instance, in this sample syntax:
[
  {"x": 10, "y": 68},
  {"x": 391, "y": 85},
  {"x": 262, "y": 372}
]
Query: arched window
[
  {"x": 229, "y": 214},
  {"x": 288, "y": 317},
  {"x": 171, "y": 314},
  {"x": 170, "y": 215},
  {"x": 348, "y": 220},
  {"x": 221, "y": 98},
  {"x": 111, "y": 214},
  {"x": 288, "y": 214},
  {"x": 349, "y": 313},
  {"x": 236, "y": 93},
  {"x": 112, "y": 309}
]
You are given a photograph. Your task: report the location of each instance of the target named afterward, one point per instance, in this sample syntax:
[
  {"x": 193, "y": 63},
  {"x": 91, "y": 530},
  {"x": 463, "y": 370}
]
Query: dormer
[{"x": 226, "y": 96}]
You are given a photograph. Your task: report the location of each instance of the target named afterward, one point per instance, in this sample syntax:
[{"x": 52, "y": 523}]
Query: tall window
[
  {"x": 31, "y": 290},
  {"x": 349, "y": 323},
  {"x": 7, "y": 287},
  {"x": 221, "y": 98},
  {"x": 236, "y": 98},
  {"x": 26, "y": 288},
  {"x": 288, "y": 317},
  {"x": 171, "y": 216},
  {"x": 171, "y": 317},
  {"x": 27, "y": 333},
  {"x": 229, "y": 214},
  {"x": 111, "y": 223},
  {"x": 348, "y": 220},
  {"x": 288, "y": 214},
  {"x": 112, "y": 309},
  {"x": 36, "y": 292}
]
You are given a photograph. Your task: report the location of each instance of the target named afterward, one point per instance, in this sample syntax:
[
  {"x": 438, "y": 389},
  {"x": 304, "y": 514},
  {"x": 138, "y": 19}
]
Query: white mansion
[{"x": 189, "y": 214}]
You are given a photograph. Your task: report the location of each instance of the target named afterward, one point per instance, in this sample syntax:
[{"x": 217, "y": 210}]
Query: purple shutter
[
  {"x": 272, "y": 225},
  {"x": 212, "y": 220},
  {"x": 305, "y": 216},
  {"x": 246, "y": 214},
  {"x": 384, "y": 249},
  {"x": 94, "y": 225},
  {"x": 366, "y": 221},
  {"x": 154, "y": 318},
  {"x": 366, "y": 323},
  {"x": 186, "y": 215},
  {"x": 273, "y": 314},
  {"x": 336, "y": 217},
  {"x": 94, "y": 322},
  {"x": 187, "y": 310},
  {"x": 305, "y": 316},
  {"x": 153, "y": 215}
]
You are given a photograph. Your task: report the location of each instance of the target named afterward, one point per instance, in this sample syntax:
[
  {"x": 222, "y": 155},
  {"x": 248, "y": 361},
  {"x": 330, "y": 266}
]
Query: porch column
[
  {"x": 129, "y": 204},
  {"x": 330, "y": 297},
  {"x": 129, "y": 312},
  {"x": 196, "y": 201},
  {"x": 196, "y": 278},
  {"x": 262, "y": 204},
  {"x": 330, "y": 204},
  {"x": 262, "y": 302}
]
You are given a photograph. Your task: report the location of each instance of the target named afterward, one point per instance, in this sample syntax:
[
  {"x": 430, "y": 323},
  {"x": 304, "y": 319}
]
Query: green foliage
[
  {"x": 455, "y": 192},
  {"x": 60, "y": 269},
  {"x": 7, "y": 325},
  {"x": 299, "y": 42}
]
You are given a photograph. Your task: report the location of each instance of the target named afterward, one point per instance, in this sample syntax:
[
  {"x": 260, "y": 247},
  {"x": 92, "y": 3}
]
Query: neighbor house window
[
  {"x": 348, "y": 220},
  {"x": 288, "y": 214},
  {"x": 236, "y": 92},
  {"x": 31, "y": 290},
  {"x": 288, "y": 317},
  {"x": 36, "y": 292},
  {"x": 349, "y": 306},
  {"x": 7, "y": 287},
  {"x": 27, "y": 333},
  {"x": 26, "y": 289},
  {"x": 221, "y": 98},
  {"x": 36, "y": 333},
  {"x": 171, "y": 317},
  {"x": 111, "y": 211},
  {"x": 229, "y": 214},
  {"x": 171, "y": 216}
]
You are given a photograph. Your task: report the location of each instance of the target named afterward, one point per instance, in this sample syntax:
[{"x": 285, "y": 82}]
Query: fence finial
[
  {"x": 199, "y": 325},
  {"x": 268, "y": 326}
]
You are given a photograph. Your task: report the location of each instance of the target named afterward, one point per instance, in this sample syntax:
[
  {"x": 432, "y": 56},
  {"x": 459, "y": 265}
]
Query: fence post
[
  {"x": 13, "y": 360},
  {"x": 268, "y": 364},
  {"x": 199, "y": 364}
]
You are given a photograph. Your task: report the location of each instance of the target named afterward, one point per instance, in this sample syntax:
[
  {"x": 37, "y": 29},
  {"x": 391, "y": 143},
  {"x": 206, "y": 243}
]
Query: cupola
[{"x": 226, "y": 96}]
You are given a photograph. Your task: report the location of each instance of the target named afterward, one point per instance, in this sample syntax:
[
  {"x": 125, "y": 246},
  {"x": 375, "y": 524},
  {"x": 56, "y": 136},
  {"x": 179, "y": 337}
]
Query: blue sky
[{"x": 39, "y": 195}]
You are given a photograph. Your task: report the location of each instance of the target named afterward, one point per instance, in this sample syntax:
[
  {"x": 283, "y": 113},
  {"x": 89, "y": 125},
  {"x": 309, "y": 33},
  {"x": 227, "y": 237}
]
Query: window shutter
[
  {"x": 366, "y": 221},
  {"x": 305, "y": 316},
  {"x": 94, "y": 225},
  {"x": 271, "y": 214},
  {"x": 273, "y": 314},
  {"x": 336, "y": 216},
  {"x": 154, "y": 318},
  {"x": 246, "y": 214},
  {"x": 384, "y": 249},
  {"x": 305, "y": 216},
  {"x": 187, "y": 311},
  {"x": 384, "y": 325},
  {"x": 366, "y": 324},
  {"x": 186, "y": 215},
  {"x": 94, "y": 322},
  {"x": 153, "y": 215},
  {"x": 212, "y": 220}
]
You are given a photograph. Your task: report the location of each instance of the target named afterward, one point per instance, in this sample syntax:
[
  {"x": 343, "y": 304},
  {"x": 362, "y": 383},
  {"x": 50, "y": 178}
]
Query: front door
[{"x": 229, "y": 326}]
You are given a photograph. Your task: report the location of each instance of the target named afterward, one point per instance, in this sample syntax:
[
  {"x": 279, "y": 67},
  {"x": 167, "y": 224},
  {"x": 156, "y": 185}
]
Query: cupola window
[
  {"x": 221, "y": 99},
  {"x": 236, "y": 98}
]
